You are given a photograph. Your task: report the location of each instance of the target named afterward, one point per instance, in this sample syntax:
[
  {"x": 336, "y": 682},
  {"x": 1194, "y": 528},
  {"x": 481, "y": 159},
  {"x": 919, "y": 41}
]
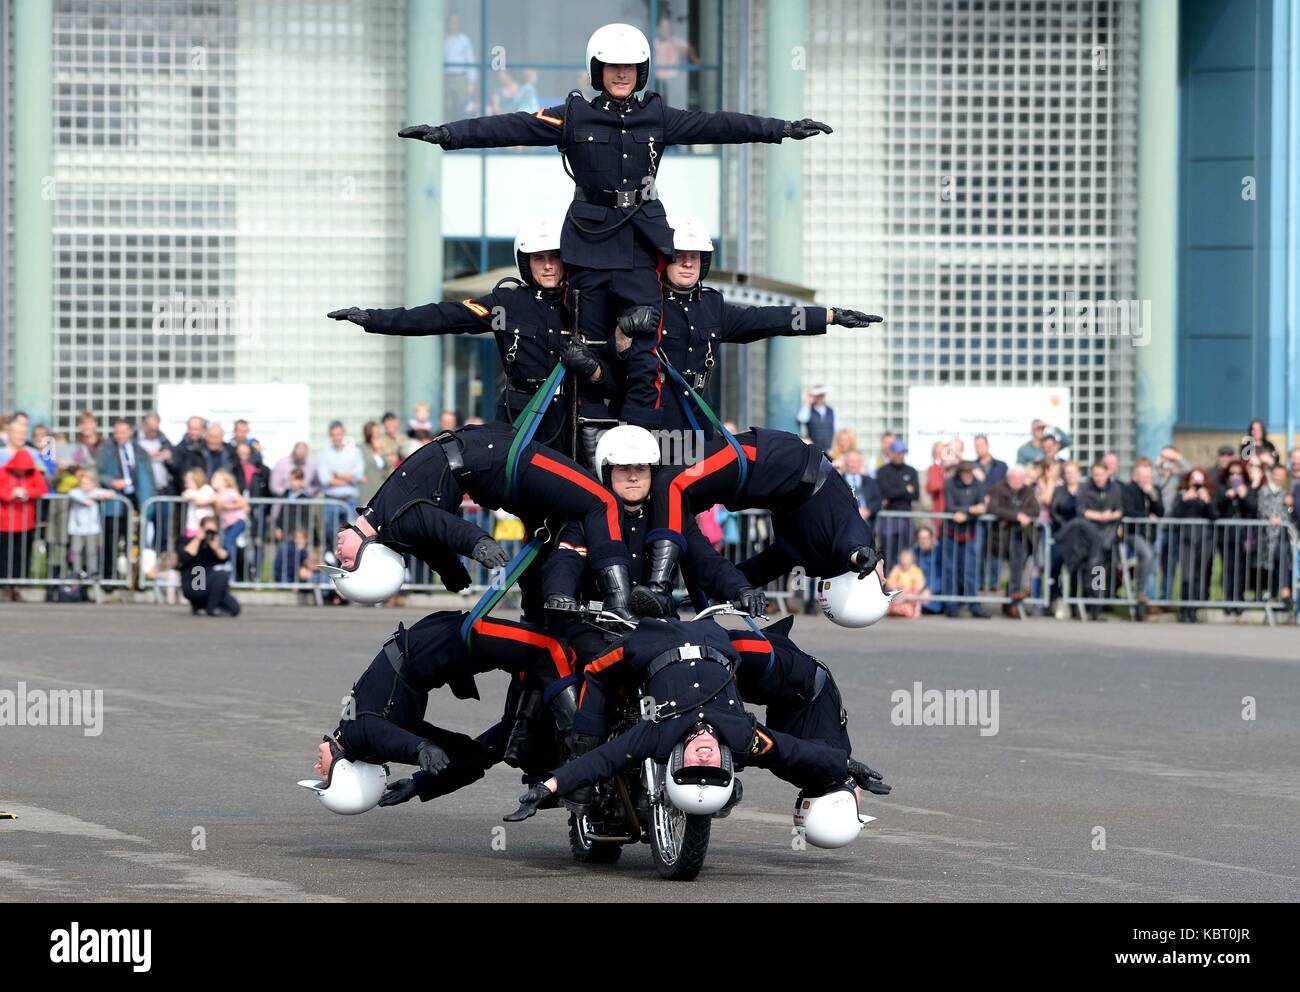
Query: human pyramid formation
[{"x": 572, "y": 454}]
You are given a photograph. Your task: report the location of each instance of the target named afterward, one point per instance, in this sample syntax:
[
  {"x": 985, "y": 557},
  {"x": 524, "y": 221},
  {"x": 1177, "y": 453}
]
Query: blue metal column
[
  {"x": 1157, "y": 234},
  {"x": 786, "y": 30},
  {"x": 422, "y": 367},
  {"x": 34, "y": 194}
]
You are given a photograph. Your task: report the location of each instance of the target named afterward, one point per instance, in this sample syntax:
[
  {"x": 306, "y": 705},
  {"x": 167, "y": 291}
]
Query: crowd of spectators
[
  {"x": 962, "y": 529},
  {"x": 213, "y": 510},
  {"x": 953, "y": 533}
]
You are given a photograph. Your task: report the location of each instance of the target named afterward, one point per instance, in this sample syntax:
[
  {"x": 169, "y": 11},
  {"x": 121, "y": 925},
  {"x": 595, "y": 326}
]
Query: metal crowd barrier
[
  {"x": 72, "y": 566},
  {"x": 974, "y": 561},
  {"x": 1184, "y": 564}
]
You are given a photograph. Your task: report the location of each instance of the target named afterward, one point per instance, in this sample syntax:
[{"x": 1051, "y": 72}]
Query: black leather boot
[
  {"x": 579, "y": 800},
  {"x": 517, "y": 743},
  {"x": 655, "y": 597},
  {"x": 615, "y": 589},
  {"x": 564, "y": 705}
]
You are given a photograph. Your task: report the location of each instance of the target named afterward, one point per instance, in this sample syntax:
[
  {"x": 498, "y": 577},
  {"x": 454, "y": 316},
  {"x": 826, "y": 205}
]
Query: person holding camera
[{"x": 205, "y": 586}]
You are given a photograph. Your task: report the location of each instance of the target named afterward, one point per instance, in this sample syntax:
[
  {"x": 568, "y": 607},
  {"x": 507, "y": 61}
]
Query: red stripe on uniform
[
  {"x": 694, "y": 473},
  {"x": 538, "y": 640},
  {"x": 758, "y": 647},
  {"x": 541, "y": 116},
  {"x": 579, "y": 478},
  {"x": 605, "y": 660}
]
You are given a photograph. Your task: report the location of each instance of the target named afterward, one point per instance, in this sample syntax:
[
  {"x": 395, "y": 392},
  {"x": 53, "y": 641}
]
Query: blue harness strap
[
  {"x": 492, "y": 595},
  {"x": 743, "y": 463}
]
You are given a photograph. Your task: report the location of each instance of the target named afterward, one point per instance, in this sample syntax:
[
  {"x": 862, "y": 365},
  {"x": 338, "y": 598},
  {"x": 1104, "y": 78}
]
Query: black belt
[
  {"x": 623, "y": 199},
  {"x": 685, "y": 652},
  {"x": 453, "y": 449}
]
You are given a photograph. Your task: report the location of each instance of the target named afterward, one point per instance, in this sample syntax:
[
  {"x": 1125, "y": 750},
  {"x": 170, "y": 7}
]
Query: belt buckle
[
  {"x": 626, "y": 198},
  {"x": 689, "y": 651},
  {"x": 699, "y": 380}
]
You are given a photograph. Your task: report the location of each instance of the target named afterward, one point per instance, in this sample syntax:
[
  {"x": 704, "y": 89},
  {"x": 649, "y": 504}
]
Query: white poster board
[
  {"x": 277, "y": 413},
  {"x": 1004, "y": 413}
]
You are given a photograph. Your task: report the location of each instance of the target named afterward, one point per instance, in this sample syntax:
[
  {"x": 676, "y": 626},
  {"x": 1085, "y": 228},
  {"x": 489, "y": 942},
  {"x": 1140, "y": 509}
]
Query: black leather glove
[
  {"x": 529, "y": 803},
  {"x": 577, "y": 357},
  {"x": 354, "y": 314},
  {"x": 639, "y": 322},
  {"x": 433, "y": 759},
  {"x": 854, "y": 318},
  {"x": 867, "y": 559},
  {"x": 488, "y": 552},
  {"x": 752, "y": 601},
  {"x": 804, "y": 129},
  {"x": 435, "y": 134},
  {"x": 868, "y": 778},
  {"x": 560, "y": 603},
  {"x": 401, "y": 791}
]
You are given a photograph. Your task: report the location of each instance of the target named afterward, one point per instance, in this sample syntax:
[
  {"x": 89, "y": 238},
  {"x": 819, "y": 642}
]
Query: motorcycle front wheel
[{"x": 679, "y": 842}]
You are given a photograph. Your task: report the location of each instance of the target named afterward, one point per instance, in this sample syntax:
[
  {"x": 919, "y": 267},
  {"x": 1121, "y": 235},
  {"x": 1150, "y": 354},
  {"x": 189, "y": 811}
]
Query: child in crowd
[
  {"x": 84, "y": 522},
  {"x": 200, "y": 496},
  {"x": 906, "y": 577},
  {"x": 233, "y": 512},
  {"x": 165, "y": 576},
  {"x": 291, "y": 559},
  {"x": 928, "y": 560},
  {"x": 421, "y": 421}
]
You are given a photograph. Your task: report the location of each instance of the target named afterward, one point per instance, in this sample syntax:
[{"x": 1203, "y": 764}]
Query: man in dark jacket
[
  {"x": 815, "y": 519},
  {"x": 686, "y": 669},
  {"x": 383, "y": 717},
  {"x": 963, "y": 538},
  {"x": 900, "y": 486},
  {"x": 1016, "y": 507},
  {"x": 127, "y": 469},
  {"x": 1101, "y": 507},
  {"x": 1141, "y": 500},
  {"x": 616, "y": 231},
  {"x": 188, "y": 453}
]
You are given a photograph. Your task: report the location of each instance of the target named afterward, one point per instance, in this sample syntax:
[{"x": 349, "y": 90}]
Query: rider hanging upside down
[
  {"x": 384, "y": 715},
  {"x": 687, "y": 670},
  {"x": 415, "y": 510},
  {"x": 815, "y": 520}
]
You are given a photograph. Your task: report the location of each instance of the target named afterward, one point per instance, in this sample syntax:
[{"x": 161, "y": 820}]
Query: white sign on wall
[
  {"x": 277, "y": 413},
  {"x": 1004, "y": 413}
]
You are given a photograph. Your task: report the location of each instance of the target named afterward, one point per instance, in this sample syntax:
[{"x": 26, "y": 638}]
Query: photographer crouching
[{"x": 206, "y": 586}]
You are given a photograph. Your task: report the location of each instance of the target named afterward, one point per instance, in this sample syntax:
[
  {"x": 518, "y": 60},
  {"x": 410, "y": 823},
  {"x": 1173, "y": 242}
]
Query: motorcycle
[{"x": 633, "y": 806}]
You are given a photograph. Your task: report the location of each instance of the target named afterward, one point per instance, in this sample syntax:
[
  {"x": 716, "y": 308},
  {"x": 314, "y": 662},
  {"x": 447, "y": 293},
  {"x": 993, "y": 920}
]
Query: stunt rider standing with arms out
[
  {"x": 616, "y": 234},
  {"x": 528, "y": 317},
  {"x": 696, "y": 321}
]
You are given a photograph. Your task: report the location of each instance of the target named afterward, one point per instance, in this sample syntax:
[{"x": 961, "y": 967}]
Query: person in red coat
[{"x": 21, "y": 485}]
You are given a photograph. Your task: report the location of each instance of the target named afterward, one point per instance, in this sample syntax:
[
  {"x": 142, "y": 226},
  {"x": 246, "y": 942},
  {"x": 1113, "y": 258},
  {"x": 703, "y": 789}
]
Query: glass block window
[
  {"x": 984, "y": 164},
  {"x": 232, "y": 165}
]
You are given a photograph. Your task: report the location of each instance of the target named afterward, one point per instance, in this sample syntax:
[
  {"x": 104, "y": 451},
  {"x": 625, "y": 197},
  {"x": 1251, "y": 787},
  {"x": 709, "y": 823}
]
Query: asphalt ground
[{"x": 1123, "y": 769}]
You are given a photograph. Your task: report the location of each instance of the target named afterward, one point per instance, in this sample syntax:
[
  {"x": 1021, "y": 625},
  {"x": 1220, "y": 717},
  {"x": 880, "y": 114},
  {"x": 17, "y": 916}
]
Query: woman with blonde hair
[{"x": 845, "y": 441}]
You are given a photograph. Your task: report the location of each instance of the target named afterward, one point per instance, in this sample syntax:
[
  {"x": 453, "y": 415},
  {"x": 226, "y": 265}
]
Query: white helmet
[
  {"x": 351, "y": 787},
  {"x": 830, "y": 820},
  {"x": 618, "y": 44},
  {"x": 625, "y": 444},
  {"x": 538, "y": 234},
  {"x": 700, "y": 790},
  {"x": 852, "y": 600},
  {"x": 376, "y": 574},
  {"x": 690, "y": 235}
]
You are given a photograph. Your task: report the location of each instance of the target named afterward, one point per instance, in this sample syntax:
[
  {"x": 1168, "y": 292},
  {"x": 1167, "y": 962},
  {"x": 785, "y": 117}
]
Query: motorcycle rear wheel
[
  {"x": 679, "y": 842},
  {"x": 585, "y": 850}
]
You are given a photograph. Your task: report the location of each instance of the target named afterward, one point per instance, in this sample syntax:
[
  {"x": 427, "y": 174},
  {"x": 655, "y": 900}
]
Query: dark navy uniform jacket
[
  {"x": 819, "y": 535},
  {"x": 613, "y": 147},
  {"x": 687, "y": 691},
  {"x": 527, "y": 322},
  {"x": 566, "y": 573},
  {"x": 695, "y": 323},
  {"x": 385, "y": 721}
]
